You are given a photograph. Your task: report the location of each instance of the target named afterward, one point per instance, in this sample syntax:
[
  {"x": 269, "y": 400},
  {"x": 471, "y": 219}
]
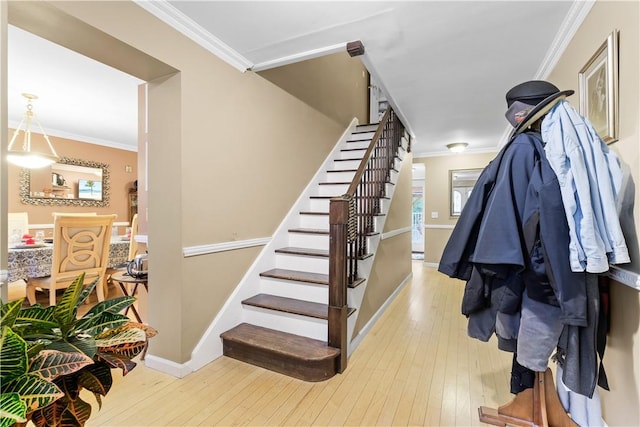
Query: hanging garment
[
  {"x": 513, "y": 235},
  {"x": 590, "y": 178},
  {"x": 516, "y": 193}
]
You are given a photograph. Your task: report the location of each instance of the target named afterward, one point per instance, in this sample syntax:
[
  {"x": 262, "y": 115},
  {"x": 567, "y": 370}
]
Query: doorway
[{"x": 417, "y": 211}]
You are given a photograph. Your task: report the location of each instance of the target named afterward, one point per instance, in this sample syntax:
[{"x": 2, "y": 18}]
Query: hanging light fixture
[{"x": 26, "y": 158}]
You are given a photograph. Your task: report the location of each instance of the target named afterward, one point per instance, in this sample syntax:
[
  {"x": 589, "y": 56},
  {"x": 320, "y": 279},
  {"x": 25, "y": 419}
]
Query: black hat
[{"x": 531, "y": 100}]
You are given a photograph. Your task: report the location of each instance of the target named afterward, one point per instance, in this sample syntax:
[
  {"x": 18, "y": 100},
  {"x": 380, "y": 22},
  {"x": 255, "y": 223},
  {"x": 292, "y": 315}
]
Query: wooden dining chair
[
  {"x": 81, "y": 244},
  {"x": 133, "y": 244},
  {"x": 55, "y": 214}
]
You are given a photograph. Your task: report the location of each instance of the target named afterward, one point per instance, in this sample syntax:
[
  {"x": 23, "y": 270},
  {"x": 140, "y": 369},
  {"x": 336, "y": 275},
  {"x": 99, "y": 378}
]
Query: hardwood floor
[{"x": 417, "y": 367}]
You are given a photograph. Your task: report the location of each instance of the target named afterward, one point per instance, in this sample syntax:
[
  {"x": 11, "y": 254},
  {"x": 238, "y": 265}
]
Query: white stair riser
[
  {"x": 332, "y": 189},
  {"x": 297, "y": 290},
  {"x": 352, "y": 154},
  {"x": 291, "y": 323},
  {"x": 318, "y": 222},
  {"x": 346, "y": 165},
  {"x": 357, "y": 144},
  {"x": 361, "y": 135},
  {"x": 303, "y": 263},
  {"x": 319, "y": 205},
  {"x": 340, "y": 176},
  {"x": 312, "y": 241}
]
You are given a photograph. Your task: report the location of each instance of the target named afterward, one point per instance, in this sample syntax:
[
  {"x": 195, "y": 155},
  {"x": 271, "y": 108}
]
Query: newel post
[{"x": 338, "y": 220}]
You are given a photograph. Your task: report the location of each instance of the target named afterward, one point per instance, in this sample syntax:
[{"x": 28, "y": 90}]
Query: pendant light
[{"x": 26, "y": 158}]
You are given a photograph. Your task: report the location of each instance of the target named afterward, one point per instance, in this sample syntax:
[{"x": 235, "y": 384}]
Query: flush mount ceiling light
[
  {"x": 26, "y": 158},
  {"x": 457, "y": 147}
]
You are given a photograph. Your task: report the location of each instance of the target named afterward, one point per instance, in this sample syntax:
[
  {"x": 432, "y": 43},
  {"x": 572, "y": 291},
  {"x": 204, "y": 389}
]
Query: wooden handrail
[{"x": 352, "y": 220}]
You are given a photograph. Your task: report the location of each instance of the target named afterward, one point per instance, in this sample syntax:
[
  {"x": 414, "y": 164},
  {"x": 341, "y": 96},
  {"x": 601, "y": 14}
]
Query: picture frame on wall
[{"x": 598, "y": 83}]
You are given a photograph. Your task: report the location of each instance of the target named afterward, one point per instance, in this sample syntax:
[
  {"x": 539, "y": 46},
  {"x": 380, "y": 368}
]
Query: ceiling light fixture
[
  {"x": 457, "y": 147},
  {"x": 26, "y": 158}
]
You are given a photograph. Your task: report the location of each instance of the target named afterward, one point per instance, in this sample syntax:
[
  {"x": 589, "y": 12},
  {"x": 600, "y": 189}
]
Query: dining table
[{"x": 35, "y": 261}]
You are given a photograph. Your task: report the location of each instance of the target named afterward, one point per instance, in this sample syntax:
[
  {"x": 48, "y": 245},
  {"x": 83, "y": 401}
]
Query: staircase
[{"x": 284, "y": 324}]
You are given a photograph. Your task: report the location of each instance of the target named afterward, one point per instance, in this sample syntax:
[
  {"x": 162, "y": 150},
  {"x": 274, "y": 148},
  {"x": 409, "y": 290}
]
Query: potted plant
[{"x": 49, "y": 355}]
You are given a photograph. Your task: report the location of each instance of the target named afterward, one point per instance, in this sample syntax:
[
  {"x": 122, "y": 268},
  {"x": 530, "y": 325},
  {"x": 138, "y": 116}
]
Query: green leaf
[
  {"x": 35, "y": 347},
  {"x": 34, "y": 391},
  {"x": 100, "y": 323},
  {"x": 87, "y": 290},
  {"x": 113, "y": 305},
  {"x": 65, "y": 311},
  {"x": 123, "y": 336},
  {"x": 86, "y": 346},
  {"x": 37, "y": 317},
  {"x": 12, "y": 409},
  {"x": 96, "y": 378},
  {"x": 50, "y": 364},
  {"x": 9, "y": 312},
  {"x": 13, "y": 354}
]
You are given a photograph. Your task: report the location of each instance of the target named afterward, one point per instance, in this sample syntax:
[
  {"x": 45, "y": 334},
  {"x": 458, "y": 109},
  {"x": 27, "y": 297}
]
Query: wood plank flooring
[{"x": 417, "y": 367}]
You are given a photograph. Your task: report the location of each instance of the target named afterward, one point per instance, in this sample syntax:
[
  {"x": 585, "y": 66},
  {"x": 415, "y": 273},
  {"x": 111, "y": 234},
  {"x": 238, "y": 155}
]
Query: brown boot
[{"x": 556, "y": 413}]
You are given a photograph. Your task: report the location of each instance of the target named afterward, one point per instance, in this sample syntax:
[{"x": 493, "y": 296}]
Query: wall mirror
[
  {"x": 461, "y": 182},
  {"x": 70, "y": 182}
]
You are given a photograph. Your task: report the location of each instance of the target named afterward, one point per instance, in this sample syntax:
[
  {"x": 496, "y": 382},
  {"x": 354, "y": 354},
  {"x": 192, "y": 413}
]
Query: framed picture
[{"x": 598, "y": 81}]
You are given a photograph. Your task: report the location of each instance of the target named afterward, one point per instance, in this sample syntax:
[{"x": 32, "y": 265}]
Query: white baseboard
[{"x": 178, "y": 370}]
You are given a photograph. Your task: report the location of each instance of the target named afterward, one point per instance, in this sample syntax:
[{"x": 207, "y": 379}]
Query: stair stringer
[{"x": 209, "y": 347}]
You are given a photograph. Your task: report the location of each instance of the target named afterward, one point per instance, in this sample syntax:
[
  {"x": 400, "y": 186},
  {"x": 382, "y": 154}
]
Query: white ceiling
[{"x": 445, "y": 65}]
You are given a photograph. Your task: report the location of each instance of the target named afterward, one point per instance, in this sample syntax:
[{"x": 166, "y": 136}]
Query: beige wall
[
  {"x": 220, "y": 145},
  {"x": 336, "y": 85},
  {"x": 621, "y": 405},
  {"x": 120, "y": 180},
  {"x": 436, "y": 198},
  {"x": 392, "y": 264}
]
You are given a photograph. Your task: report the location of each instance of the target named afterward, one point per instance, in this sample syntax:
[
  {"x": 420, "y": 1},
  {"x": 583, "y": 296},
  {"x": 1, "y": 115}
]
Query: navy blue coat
[{"x": 514, "y": 224}]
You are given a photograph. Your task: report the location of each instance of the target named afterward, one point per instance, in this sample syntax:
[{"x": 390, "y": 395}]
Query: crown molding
[
  {"x": 82, "y": 138},
  {"x": 572, "y": 22},
  {"x": 301, "y": 56},
  {"x": 171, "y": 16}
]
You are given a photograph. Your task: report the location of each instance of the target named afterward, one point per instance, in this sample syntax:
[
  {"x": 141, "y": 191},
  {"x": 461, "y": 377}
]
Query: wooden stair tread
[
  {"x": 357, "y": 197},
  {"x": 309, "y": 231},
  {"x": 303, "y": 251},
  {"x": 291, "y": 305},
  {"x": 314, "y": 213},
  {"x": 305, "y": 276},
  {"x": 298, "y": 276},
  {"x": 280, "y": 342},
  {"x": 323, "y": 253},
  {"x": 289, "y": 354},
  {"x": 341, "y": 170}
]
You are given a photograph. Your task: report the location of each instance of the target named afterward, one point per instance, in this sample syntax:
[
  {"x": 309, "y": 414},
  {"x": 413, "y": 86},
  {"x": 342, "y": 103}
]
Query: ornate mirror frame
[{"x": 25, "y": 186}]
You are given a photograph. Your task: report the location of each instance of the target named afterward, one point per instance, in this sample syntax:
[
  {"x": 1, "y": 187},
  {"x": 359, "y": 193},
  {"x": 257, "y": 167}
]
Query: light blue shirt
[{"x": 590, "y": 178}]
